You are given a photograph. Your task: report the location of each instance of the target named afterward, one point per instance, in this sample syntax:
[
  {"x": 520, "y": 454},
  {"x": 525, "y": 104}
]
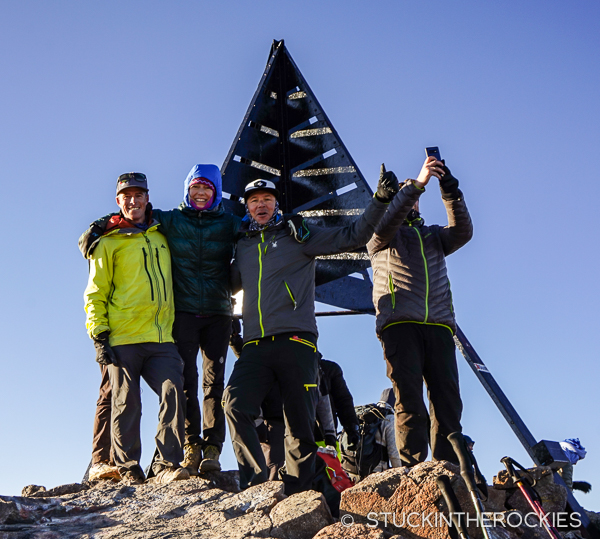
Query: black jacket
[{"x": 342, "y": 403}]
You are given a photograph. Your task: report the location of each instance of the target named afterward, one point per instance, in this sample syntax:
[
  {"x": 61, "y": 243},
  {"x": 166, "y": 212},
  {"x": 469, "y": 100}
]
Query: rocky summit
[{"x": 401, "y": 503}]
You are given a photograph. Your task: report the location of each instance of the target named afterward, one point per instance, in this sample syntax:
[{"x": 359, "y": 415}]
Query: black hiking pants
[
  {"x": 211, "y": 335},
  {"x": 417, "y": 352},
  {"x": 289, "y": 361}
]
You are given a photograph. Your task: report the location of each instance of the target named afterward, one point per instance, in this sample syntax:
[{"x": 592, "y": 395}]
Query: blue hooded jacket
[
  {"x": 211, "y": 173},
  {"x": 201, "y": 244}
]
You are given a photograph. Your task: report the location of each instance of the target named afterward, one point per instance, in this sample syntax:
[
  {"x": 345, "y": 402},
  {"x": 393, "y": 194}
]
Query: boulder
[
  {"x": 300, "y": 516},
  {"x": 407, "y": 501}
]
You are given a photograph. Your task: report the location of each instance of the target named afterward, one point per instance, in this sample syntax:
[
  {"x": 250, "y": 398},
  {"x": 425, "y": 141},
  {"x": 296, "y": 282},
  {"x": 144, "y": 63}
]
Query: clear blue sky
[{"x": 507, "y": 90}]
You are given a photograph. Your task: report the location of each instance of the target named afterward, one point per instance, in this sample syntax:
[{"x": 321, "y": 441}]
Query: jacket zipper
[
  {"x": 161, "y": 273},
  {"x": 426, "y": 274},
  {"x": 393, "y": 294},
  {"x": 291, "y": 295},
  {"x": 148, "y": 273},
  {"x": 156, "y": 323},
  {"x": 262, "y": 236}
]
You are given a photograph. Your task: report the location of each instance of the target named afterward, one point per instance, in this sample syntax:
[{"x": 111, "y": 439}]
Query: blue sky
[{"x": 507, "y": 90}]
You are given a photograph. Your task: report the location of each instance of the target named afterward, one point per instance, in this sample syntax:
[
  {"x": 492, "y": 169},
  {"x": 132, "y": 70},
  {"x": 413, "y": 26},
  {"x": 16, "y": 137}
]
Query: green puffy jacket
[
  {"x": 129, "y": 290},
  {"x": 202, "y": 245}
]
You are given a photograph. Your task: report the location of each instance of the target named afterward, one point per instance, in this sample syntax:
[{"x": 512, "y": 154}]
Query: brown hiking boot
[
  {"x": 133, "y": 476},
  {"x": 166, "y": 475},
  {"x": 192, "y": 455},
  {"x": 210, "y": 462},
  {"x": 103, "y": 470}
]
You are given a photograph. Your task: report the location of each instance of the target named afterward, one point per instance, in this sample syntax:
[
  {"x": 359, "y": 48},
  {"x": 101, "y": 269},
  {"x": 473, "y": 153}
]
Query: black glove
[
  {"x": 89, "y": 239},
  {"x": 298, "y": 228},
  {"x": 449, "y": 185},
  {"x": 388, "y": 185},
  {"x": 353, "y": 438},
  {"x": 330, "y": 440},
  {"x": 104, "y": 353},
  {"x": 583, "y": 486}
]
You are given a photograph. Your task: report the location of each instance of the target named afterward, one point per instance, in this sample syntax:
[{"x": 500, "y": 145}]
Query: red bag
[{"x": 338, "y": 477}]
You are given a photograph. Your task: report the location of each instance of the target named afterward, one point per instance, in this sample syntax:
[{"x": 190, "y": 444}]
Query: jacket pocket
[
  {"x": 148, "y": 273},
  {"x": 392, "y": 292},
  {"x": 291, "y": 294},
  {"x": 161, "y": 274}
]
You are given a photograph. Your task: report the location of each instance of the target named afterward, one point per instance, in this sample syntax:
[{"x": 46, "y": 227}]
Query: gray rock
[
  {"x": 30, "y": 490},
  {"x": 300, "y": 516}
]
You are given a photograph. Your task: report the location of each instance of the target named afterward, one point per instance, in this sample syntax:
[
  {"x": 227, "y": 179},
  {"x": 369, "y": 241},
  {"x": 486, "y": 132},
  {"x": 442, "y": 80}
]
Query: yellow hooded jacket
[{"x": 129, "y": 291}]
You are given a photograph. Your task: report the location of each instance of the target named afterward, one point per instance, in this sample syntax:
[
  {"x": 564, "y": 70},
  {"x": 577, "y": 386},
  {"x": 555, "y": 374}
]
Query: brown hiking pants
[{"x": 101, "y": 437}]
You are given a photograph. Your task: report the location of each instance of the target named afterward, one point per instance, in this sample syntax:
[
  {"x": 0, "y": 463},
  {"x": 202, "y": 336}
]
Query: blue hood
[{"x": 210, "y": 172}]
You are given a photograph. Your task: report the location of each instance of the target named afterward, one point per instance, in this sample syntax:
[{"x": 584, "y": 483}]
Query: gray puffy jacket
[
  {"x": 410, "y": 282},
  {"x": 277, "y": 273}
]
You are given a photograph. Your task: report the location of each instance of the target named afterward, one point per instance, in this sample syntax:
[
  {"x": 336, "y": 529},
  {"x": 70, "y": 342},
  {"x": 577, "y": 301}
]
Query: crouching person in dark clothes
[
  {"x": 129, "y": 306},
  {"x": 415, "y": 316},
  {"x": 275, "y": 267}
]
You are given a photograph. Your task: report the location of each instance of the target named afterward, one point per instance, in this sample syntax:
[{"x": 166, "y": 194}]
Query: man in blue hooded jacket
[{"x": 201, "y": 237}]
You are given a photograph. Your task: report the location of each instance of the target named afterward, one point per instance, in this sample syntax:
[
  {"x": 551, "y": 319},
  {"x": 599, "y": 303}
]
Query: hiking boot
[
  {"x": 133, "y": 476},
  {"x": 166, "y": 475},
  {"x": 103, "y": 470},
  {"x": 210, "y": 462},
  {"x": 192, "y": 455}
]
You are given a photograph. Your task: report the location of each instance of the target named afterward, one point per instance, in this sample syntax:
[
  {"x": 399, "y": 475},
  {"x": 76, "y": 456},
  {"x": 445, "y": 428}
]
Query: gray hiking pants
[{"x": 160, "y": 365}]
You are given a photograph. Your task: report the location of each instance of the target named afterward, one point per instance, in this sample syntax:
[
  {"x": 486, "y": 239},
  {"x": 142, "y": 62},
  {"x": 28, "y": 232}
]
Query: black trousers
[
  {"x": 289, "y": 361},
  {"x": 417, "y": 352},
  {"x": 210, "y": 334}
]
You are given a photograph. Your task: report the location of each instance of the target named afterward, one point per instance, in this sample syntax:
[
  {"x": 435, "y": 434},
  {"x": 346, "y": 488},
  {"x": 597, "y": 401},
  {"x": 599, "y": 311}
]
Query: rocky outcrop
[
  {"x": 195, "y": 508},
  {"x": 401, "y": 503}
]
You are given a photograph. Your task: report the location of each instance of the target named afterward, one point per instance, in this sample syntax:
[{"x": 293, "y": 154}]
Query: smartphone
[{"x": 434, "y": 151}]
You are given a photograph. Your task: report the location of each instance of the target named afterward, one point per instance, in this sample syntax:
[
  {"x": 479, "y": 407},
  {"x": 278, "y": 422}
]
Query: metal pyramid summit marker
[{"x": 287, "y": 138}]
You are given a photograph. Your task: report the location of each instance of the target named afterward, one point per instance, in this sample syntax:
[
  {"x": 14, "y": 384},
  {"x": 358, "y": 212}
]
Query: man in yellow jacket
[{"x": 130, "y": 312}]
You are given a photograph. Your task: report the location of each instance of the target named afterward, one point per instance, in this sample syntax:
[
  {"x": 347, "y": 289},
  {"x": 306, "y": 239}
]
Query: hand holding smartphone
[{"x": 429, "y": 169}]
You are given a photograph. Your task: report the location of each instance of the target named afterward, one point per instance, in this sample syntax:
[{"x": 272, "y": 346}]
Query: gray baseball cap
[{"x": 132, "y": 179}]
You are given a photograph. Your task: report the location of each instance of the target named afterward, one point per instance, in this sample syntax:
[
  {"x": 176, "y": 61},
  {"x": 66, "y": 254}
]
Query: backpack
[{"x": 368, "y": 453}]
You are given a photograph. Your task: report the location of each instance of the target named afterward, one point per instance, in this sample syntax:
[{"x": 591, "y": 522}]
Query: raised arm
[
  {"x": 460, "y": 228},
  {"x": 394, "y": 217},
  {"x": 402, "y": 204},
  {"x": 330, "y": 241}
]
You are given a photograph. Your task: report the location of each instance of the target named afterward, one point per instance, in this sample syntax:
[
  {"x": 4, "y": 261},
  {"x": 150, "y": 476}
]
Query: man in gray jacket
[
  {"x": 415, "y": 318},
  {"x": 275, "y": 267}
]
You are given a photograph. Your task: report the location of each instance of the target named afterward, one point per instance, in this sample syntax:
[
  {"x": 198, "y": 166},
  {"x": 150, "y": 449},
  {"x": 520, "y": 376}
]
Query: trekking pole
[
  {"x": 466, "y": 472},
  {"x": 443, "y": 483},
  {"x": 530, "y": 494}
]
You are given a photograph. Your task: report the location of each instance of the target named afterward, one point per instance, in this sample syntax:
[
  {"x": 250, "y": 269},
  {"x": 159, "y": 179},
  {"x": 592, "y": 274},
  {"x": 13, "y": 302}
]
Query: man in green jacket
[
  {"x": 275, "y": 267},
  {"x": 201, "y": 237},
  {"x": 130, "y": 311}
]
